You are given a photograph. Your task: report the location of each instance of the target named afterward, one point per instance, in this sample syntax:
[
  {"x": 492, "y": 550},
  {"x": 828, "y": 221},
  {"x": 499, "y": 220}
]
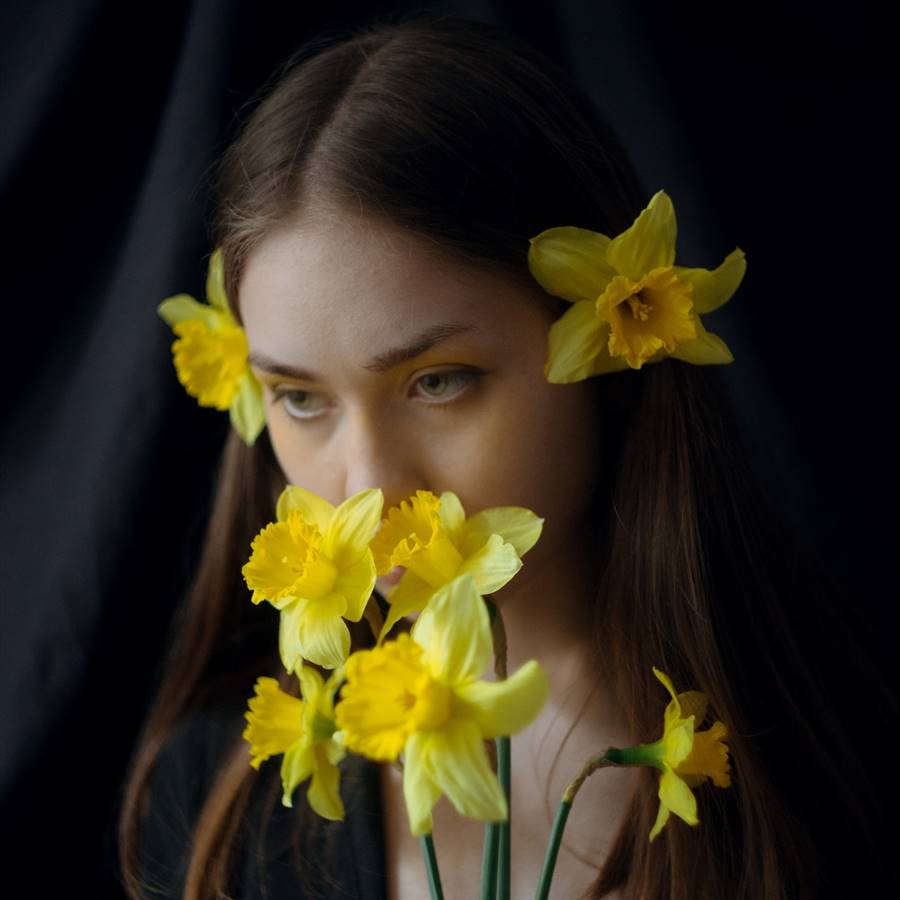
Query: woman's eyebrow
[{"x": 380, "y": 363}]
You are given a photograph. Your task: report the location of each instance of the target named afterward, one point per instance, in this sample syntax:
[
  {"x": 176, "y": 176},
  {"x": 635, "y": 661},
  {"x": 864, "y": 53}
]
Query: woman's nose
[{"x": 376, "y": 458}]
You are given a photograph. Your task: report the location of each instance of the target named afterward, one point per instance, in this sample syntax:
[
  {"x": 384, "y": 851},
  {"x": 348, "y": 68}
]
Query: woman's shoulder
[
  {"x": 346, "y": 856},
  {"x": 185, "y": 768}
]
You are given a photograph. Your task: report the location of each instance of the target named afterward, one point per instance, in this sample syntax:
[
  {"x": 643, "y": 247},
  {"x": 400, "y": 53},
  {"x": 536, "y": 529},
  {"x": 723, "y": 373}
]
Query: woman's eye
[
  {"x": 441, "y": 385},
  {"x": 297, "y": 403}
]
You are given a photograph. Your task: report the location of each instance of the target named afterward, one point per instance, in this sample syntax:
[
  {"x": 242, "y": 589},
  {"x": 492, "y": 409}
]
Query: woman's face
[{"x": 386, "y": 365}]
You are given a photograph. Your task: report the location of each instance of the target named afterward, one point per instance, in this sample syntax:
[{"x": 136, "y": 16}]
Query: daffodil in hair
[
  {"x": 631, "y": 304},
  {"x": 421, "y": 697},
  {"x": 302, "y": 730},
  {"x": 314, "y": 565},
  {"x": 685, "y": 757},
  {"x": 211, "y": 354},
  {"x": 433, "y": 540}
]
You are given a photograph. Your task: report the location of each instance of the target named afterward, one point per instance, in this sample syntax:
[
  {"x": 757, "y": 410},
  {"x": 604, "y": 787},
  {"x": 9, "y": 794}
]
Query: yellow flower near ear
[
  {"x": 420, "y": 696},
  {"x": 210, "y": 354},
  {"x": 685, "y": 757},
  {"x": 631, "y": 304},
  {"x": 314, "y": 565},
  {"x": 303, "y": 731},
  {"x": 431, "y": 537}
]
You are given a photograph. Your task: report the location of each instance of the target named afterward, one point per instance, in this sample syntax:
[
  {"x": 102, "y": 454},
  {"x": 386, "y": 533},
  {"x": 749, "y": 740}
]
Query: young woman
[{"x": 374, "y": 221}]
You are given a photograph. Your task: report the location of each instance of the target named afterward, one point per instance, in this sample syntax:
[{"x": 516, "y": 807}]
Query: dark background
[{"x": 770, "y": 125}]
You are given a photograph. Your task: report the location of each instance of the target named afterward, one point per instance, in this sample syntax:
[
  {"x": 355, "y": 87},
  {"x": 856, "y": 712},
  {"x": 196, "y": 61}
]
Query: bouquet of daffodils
[{"x": 420, "y": 700}]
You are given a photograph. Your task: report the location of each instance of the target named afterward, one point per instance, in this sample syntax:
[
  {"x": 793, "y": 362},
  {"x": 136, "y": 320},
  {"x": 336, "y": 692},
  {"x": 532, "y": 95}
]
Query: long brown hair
[{"x": 460, "y": 134}]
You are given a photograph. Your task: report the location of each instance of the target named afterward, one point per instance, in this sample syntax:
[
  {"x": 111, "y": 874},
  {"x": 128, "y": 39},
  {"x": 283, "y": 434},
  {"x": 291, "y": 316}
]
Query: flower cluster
[{"x": 420, "y": 696}]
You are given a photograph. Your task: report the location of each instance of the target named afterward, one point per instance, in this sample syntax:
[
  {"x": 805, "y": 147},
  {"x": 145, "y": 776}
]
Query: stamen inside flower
[
  {"x": 639, "y": 310},
  {"x": 662, "y": 315}
]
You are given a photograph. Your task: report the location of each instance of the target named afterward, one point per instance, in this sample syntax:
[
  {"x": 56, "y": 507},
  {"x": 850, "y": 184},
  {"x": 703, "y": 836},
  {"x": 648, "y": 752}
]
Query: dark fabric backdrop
[{"x": 771, "y": 126}]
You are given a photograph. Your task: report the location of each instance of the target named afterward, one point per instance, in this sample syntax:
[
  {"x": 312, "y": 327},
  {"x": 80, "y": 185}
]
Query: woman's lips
[{"x": 393, "y": 576}]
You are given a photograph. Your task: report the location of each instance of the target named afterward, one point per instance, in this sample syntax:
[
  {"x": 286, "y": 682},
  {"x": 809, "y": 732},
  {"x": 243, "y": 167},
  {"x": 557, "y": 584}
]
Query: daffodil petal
[
  {"x": 574, "y": 341},
  {"x": 311, "y": 684},
  {"x": 603, "y": 363},
  {"x": 452, "y": 515},
  {"x": 419, "y": 790},
  {"x": 515, "y": 524},
  {"x": 661, "y": 818},
  {"x": 312, "y": 507},
  {"x": 289, "y": 646},
  {"x": 705, "y": 350},
  {"x": 324, "y": 794},
  {"x": 183, "y": 307},
  {"x": 455, "y": 633},
  {"x": 648, "y": 243},
  {"x": 693, "y": 703},
  {"x": 713, "y": 288},
  {"x": 571, "y": 262},
  {"x": 353, "y": 525},
  {"x": 215, "y": 281},
  {"x": 247, "y": 410},
  {"x": 493, "y": 565},
  {"x": 356, "y": 582},
  {"x": 411, "y": 594},
  {"x": 666, "y": 682},
  {"x": 324, "y": 638},
  {"x": 502, "y": 708},
  {"x": 678, "y": 741},
  {"x": 457, "y": 763},
  {"x": 296, "y": 767},
  {"x": 677, "y": 797}
]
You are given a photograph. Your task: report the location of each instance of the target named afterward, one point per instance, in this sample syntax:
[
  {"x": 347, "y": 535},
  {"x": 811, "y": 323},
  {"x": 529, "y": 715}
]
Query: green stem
[
  {"x": 556, "y": 833},
  {"x": 600, "y": 761},
  {"x": 489, "y": 862},
  {"x": 504, "y": 772},
  {"x": 431, "y": 866}
]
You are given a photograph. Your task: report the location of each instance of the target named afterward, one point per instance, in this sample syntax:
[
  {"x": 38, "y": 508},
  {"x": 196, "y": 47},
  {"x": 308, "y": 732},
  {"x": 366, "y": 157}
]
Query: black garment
[{"x": 339, "y": 859}]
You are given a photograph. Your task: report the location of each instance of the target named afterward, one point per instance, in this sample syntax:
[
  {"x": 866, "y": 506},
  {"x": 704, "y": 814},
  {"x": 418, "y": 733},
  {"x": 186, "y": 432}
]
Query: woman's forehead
[{"x": 358, "y": 286}]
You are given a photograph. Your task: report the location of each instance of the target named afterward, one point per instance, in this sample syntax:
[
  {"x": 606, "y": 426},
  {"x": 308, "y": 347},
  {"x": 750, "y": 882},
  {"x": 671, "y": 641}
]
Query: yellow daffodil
[
  {"x": 303, "y": 731},
  {"x": 431, "y": 537},
  {"x": 631, "y": 304},
  {"x": 421, "y": 696},
  {"x": 314, "y": 565},
  {"x": 211, "y": 352},
  {"x": 685, "y": 757}
]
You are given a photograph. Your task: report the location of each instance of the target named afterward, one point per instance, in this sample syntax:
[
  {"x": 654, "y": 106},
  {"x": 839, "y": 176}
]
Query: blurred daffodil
[
  {"x": 631, "y": 304},
  {"x": 421, "y": 696},
  {"x": 685, "y": 757},
  {"x": 433, "y": 540},
  {"x": 301, "y": 729},
  {"x": 314, "y": 565},
  {"x": 210, "y": 354}
]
